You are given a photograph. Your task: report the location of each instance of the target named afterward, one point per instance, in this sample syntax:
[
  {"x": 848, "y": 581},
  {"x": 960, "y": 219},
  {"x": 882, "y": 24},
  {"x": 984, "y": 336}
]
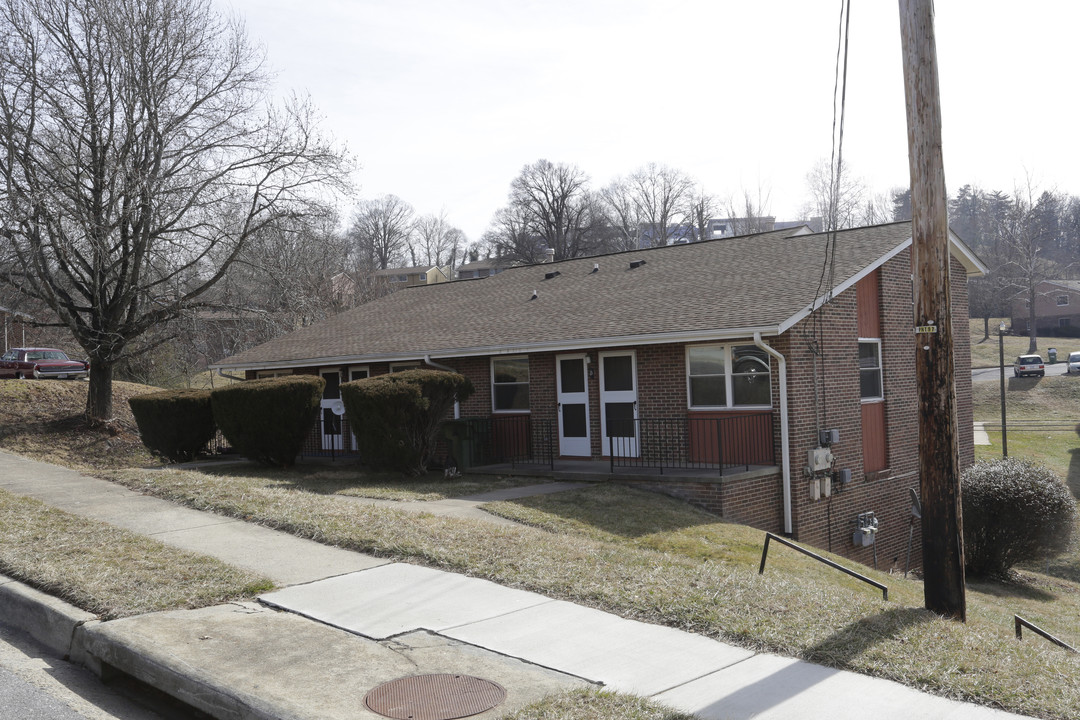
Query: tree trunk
[
  {"x": 1033, "y": 332},
  {"x": 986, "y": 328},
  {"x": 99, "y": 400}
]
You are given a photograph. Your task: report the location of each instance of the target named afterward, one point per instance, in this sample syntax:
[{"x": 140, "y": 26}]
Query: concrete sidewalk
[{"x": 342, "y": 623}]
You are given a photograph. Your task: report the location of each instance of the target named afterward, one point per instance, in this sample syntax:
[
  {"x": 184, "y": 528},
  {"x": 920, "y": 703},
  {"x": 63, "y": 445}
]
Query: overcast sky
[{"x": 443, "y": 102}]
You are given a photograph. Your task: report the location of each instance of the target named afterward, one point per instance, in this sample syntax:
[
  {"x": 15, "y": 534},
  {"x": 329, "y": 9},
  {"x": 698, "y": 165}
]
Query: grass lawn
[
  {"x": 655, "y": 559},
  {"x": 108, "y": 571},
  {"x": 986, "y": 353},
  {"x": 44, "y": 419},
  {"x": 651, "y": 558}
]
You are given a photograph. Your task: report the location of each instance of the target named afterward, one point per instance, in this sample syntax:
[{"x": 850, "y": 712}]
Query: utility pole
[{"x": 939, "y": 460}]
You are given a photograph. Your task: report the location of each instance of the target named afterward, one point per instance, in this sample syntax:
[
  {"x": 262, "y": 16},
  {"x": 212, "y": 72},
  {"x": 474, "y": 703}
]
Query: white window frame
[
  {"x": 1062, "y": 297},
  {"x": 880, "y": 371},
  {"x": 729, "y": 386},
  {"x": 266, "y": 374},
  {"x": 528, "y": 384}
]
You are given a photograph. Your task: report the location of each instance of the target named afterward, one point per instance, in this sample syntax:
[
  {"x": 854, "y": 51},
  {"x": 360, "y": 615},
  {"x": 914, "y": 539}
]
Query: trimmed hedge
[
  {"x": 396, "y": 417},
  {"x": 176, "y": 424},
  {"x": 267, "y": 420},
  {"x": 1014, "y": 511}
]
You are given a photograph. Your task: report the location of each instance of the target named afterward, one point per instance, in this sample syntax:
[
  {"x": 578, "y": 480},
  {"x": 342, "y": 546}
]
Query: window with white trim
[
  {"x": 1062, "y": 300},
  {"x": 727, "y": 376},
  {"x": 510, "y": 384},
  {"x": 263, "y": 374},
  {"x": 870, "y": 378},
  {"x": 400, "y": 367}
]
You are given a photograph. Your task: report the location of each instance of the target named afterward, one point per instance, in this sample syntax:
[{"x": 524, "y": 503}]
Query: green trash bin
[
  {"x": 457, "y": 432},
  {"x": 1051, "y": 355}
]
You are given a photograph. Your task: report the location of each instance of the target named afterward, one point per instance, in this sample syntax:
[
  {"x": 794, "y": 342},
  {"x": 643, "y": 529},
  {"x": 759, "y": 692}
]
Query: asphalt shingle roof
[{"x": 745, "y": 283}]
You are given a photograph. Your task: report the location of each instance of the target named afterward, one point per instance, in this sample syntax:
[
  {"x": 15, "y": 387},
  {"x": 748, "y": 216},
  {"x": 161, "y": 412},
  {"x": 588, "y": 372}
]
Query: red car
[{"x": 41, "y": 363}]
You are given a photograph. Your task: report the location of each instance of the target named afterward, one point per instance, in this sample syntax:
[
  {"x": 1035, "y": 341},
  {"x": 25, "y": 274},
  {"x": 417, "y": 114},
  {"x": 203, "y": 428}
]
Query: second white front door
[
  {"x": 331, "y": 409},
  {"x": 573, "y": 397},
  {"x": 618, "y": 403}
]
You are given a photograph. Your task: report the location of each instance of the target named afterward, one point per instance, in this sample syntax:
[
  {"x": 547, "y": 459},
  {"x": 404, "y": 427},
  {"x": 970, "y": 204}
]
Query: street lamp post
[{"x": 1001, "y": 356}]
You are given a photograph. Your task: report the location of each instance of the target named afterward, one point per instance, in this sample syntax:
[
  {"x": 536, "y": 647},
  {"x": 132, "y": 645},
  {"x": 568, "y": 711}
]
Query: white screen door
[
  {"x": 618, "y": 403},
  {"x": 573, "y": 399}
]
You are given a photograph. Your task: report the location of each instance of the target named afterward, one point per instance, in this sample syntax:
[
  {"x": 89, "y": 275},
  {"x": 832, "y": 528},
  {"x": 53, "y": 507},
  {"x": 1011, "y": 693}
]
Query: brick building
[{"x": 707, "y": 371}]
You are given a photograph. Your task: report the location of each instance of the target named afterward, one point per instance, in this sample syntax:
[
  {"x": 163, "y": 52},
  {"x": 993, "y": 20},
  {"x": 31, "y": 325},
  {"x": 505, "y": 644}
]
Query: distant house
[
  {"x": 410, "y": 276},
  {"x": 1057, "y": 310},
  {"x": 704, "y": 370},
  {"x": 15, "y": 327},
  {"x": 482, "y": 268}
]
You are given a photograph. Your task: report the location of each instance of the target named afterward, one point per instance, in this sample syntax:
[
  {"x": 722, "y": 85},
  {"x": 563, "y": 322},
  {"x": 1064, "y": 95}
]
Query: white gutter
[{"x": 785, "y": 445}]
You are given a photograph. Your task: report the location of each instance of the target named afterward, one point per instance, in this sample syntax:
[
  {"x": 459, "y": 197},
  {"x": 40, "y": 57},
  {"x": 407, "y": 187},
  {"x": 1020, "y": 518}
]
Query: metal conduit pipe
[{"x": 785, "y": 445}]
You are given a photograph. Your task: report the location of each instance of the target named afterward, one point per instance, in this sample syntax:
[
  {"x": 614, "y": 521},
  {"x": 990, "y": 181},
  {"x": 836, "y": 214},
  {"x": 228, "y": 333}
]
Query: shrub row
[
  {"x": 396, "y": 417},
  {"x": 265, "y": 420}
]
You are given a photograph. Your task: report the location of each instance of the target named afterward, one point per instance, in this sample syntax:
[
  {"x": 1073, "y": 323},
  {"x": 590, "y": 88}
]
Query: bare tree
[
  {"x": 701, "y": 208},
  {"x": 137, "y": 156},
  {"x": 661, "y": 195},
  {"x": 622, "y": 215},
  {"x": 381, "y": 231},
  {"x": 553, "y": 200},
  {"x": 750, "y": 213},
  {"x": 436, "y": 241},
  {"x": 836, "y": 196}
]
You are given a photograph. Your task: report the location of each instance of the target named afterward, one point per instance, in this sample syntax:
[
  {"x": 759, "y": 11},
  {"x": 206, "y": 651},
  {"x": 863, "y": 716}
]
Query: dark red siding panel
[
  {"x": 867, "y": 294},
  {"x": 873, "y": 436}
]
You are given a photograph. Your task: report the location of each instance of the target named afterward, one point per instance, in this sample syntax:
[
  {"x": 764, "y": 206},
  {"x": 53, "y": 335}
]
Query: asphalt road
[
  {"x": 985, "y": 374},
  {"x": 34, "y": 685}
]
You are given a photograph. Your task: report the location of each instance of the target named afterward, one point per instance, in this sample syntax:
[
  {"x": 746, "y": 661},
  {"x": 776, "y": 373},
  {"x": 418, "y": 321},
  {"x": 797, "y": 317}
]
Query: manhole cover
[{"x": 434, "y": 697}]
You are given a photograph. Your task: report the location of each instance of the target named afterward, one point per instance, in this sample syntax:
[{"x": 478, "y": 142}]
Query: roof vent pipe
[
  {"x": 535, "y": 295},
  {"x": 596, "y": 267}
]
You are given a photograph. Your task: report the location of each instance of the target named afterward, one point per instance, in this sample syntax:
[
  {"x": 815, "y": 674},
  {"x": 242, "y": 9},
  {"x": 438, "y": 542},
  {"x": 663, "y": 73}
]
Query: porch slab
[{"x": 600, "y": 471}]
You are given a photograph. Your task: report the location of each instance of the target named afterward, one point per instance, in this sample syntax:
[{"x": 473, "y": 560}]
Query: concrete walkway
[{"x": 343, "y": 623}]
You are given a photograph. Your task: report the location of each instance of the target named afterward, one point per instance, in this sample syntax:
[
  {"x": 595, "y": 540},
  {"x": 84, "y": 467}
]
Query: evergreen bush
[
  {"x": 176, "y": 424},
  {"x": 396, "y": 417},
  {"x": 1014, "y": 511},
  {"x": 267, "y": 420}
]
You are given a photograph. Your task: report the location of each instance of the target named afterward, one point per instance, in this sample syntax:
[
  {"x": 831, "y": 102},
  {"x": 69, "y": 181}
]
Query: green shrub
[
  {"x": 1014, "y": 511},
  {"x": 396, "y": 417},
  {"x": 176, "y": 424},
  {"x": 267, "y": 420}
]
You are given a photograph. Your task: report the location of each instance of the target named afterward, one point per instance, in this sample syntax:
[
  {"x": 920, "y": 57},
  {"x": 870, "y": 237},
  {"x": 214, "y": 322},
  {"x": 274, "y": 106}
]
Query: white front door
[
  {"x": 573, "y": 398},
  {"x": 331, "y": 410},
  {"x": 618, "y": 403}
]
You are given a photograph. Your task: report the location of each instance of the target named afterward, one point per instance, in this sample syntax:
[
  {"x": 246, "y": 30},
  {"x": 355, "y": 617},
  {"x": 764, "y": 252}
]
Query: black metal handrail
[
  {"x": 1022, "y": 623},
  {"x": 513, "y": 439},
  {"x": 783, "y": 541},
  {"x": 686, "y": 442}
]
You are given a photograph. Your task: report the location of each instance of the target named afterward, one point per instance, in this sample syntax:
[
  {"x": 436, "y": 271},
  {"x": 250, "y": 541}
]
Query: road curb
[{"x": 50, "y": 621}]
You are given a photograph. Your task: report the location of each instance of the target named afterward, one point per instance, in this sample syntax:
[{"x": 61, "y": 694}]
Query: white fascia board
[
  {"x": 974, "y": 266},
  {"x": 517, "y": 349}
]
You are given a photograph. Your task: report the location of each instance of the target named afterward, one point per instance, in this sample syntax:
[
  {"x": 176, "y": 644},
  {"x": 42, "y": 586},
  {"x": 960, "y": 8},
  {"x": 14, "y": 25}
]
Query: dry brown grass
[
  {"x": 596, "y": 705},
  {"x": 108, "y": 571},
  {"x": 45, "y": 420},
  {"x": 650, "y": 558}
]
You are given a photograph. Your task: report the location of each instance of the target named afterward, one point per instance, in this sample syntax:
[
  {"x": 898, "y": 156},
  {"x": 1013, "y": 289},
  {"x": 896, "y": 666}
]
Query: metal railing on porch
[
  {"x": 688, "y": 442},
  {"x": 514, "y": 439}
]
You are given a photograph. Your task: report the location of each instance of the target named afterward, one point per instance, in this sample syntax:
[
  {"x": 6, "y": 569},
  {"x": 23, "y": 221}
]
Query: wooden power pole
[{"x": 939, "y": 460}]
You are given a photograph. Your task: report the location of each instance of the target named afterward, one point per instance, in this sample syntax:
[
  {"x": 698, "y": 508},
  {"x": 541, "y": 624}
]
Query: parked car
[
  {"x": 26, "y": 363},
  {"x": 1029, "y": 365},
  {"x": 1073, "y": 365}
]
